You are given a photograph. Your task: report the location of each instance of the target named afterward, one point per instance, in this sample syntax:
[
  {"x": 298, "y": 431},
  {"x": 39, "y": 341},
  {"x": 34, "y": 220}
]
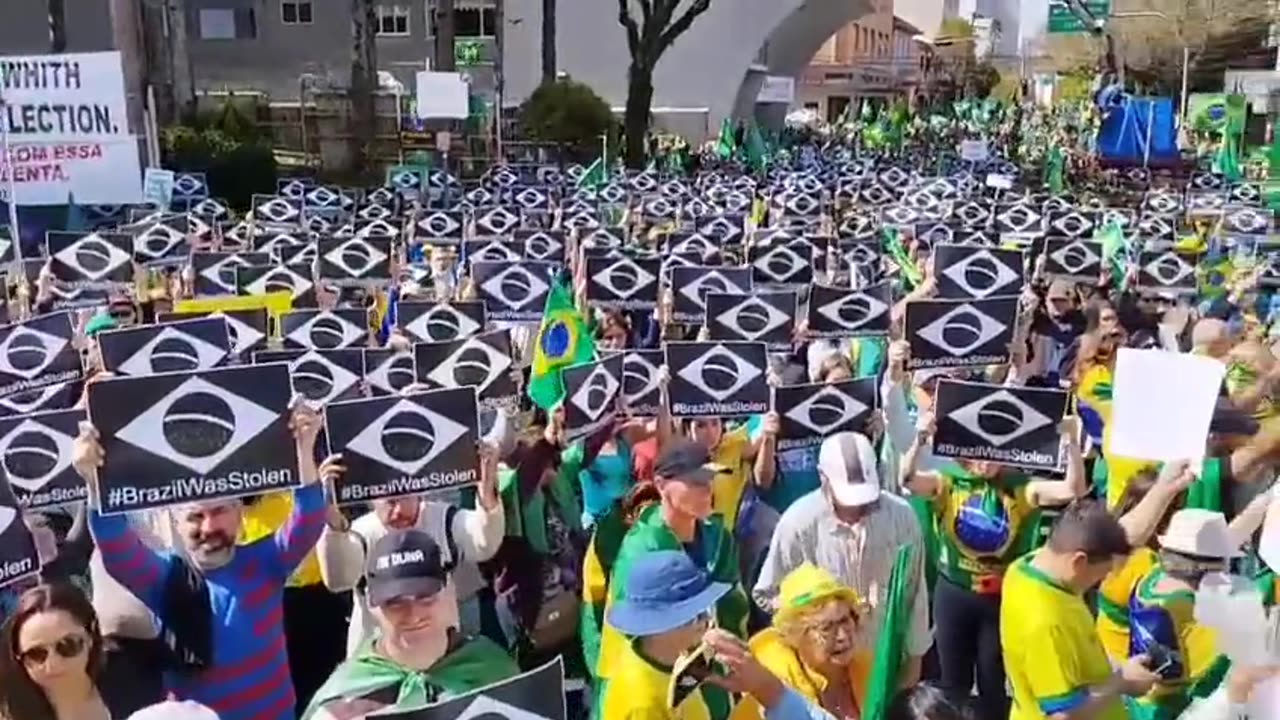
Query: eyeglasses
[
  {"x": 67, "y": 648},
  {"x": 828, "y": 631}
]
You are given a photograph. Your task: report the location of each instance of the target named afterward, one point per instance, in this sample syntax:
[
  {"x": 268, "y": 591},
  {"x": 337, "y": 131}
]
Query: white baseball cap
[{"x": 848, "y": 463}]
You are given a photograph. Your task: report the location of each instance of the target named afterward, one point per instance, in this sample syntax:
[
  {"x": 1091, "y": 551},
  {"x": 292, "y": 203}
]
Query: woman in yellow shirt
[{"x": 812, "y": 645}]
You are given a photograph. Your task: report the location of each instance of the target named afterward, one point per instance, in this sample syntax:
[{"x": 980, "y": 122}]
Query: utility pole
[
  {"x": 445, "y": 37},
  {"x": 57, "y": 26}
]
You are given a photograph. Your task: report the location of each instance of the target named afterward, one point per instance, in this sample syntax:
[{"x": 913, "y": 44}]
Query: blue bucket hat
[{"x": 664, "y": 590}]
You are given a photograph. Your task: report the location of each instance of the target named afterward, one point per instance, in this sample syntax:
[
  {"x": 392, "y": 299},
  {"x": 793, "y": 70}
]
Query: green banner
[{"x": 1062, "y": 20}]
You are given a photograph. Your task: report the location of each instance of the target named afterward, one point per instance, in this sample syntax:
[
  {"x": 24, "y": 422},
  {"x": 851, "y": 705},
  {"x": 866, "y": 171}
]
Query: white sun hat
[{"x": 1202, "y": 533}]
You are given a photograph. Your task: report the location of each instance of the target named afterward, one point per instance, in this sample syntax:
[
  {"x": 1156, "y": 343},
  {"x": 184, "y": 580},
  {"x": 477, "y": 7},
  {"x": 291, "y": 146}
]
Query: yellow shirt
[
  {"x": 637, "y": 690},
  {"x": 727, "y": 488},
  {"x": 1113, "y": 603},
  {"x": 778, "y": 658},
  {"x": 1051, "y": 653},
  {"x": 268, "y": 515}
]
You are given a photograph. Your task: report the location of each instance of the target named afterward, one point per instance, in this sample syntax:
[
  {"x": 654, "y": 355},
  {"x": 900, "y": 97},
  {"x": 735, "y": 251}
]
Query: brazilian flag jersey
[
  {"x": 1195, "y": 667},
  {"x": 982, "y": 527},
  {"x": 1113, "y": 602},
  {"x": 713, "y": 550}
]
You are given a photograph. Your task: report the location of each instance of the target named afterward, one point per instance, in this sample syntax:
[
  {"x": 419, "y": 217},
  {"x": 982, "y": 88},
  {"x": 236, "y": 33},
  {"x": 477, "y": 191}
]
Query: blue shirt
[
  {"x": 793, "y": 706},
  {"x": 797, "y": 474}
]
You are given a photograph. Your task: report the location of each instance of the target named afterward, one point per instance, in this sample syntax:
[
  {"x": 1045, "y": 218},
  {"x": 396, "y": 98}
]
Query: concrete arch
[{"x": 717, "y": 65}]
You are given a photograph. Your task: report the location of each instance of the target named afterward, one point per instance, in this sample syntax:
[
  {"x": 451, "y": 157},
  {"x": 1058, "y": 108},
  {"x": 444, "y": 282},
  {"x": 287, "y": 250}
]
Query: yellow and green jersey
[
  {"x": 1052, "y": 655},
  {"x": 982, "y": 527},
  {"x": 1166, "y": 621},
  {"x": 639, "y": 692},
  {"x": 1113, "y": 602}
]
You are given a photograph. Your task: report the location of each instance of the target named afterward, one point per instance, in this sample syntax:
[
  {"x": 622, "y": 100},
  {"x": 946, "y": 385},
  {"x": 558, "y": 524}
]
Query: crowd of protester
[{"x": 622, "y": 552}]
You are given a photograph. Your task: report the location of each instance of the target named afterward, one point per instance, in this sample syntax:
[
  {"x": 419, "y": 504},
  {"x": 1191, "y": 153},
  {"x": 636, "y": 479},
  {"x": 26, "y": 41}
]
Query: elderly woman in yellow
[{"x": 812, "y": 645}]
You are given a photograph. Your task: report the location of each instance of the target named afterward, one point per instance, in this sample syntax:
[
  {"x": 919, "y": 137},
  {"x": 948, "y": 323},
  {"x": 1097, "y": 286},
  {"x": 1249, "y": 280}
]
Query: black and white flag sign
[
  {"x": 440, "y": 322},
  {"x": 215, "y": 273},
  {"x": 513, "y": 292},
  {"x": 186, "y": 437},
  {"x": 977, "y": 272},
  {"x": 294, "y": 279},
  {"x": 481, "y": 361},
  {"x": 388, "y": 371},
  {"x": 1010, "y": 425},
  {"x": 320, "y": 376},
  {"x": 810, "y": 413},
  {"x": 35, "y": 454},
  {"x": 94, "y": 260},
  {"x": 1072, "y": 258},
  {"x": 324, "y": 329},
  {"x": 175, "y": 347},
  {"x": 591, "y": 393},
  {"x": 640, "y": 373},
  {"x": 623, "y": 283},
  {"x": 404, "y": 445},
  {"x": 355, "y": 261},
  {"x": 246, "y": 329},
  {"x": 18, "y": 557},
  {"x": 960, "y": 333},
  {"x": 767, "y": 317},
  {"x": 535, "y": 695},
  {"x": 1166, "y": 271},
  {"x": 718, "y": 379},
  {"x": 37, "y": 353},
  {"x": 690, "y": 286},
  {"x": 50, "y": 397},
  {"x": 836, "y": 312}
]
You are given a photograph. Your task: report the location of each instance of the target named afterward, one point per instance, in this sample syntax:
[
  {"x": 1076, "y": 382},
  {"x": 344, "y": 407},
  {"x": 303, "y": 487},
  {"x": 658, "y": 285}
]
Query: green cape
[{"x": 478, "y": 662}]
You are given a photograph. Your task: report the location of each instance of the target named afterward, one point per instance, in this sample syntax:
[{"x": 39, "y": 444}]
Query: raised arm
[{"x": 302, "y": 530}]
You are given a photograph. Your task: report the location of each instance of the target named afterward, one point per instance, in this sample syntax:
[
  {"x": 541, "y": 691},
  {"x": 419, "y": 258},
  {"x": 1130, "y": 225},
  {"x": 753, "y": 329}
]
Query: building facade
[
  {"x": 876, "y": 57},
  {"x": 282, "y": 47}
]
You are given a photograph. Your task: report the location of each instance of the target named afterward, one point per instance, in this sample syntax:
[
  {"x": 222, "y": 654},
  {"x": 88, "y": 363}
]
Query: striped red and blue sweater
[{"x": 249, "y": 676}]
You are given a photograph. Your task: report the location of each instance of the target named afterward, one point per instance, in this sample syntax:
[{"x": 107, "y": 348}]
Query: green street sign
[
  {"x": 1062, "y": 20},
  {"x": 467, "y": 53}
]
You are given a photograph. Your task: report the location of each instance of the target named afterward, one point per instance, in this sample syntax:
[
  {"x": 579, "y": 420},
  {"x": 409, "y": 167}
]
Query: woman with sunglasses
[{"x": 52, "y": 659}]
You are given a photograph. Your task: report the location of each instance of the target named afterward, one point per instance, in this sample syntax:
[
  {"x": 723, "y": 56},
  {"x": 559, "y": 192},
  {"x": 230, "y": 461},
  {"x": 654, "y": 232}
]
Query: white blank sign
[
  {"x": 442, "y": 95},
  {"x": 1163, "y": 404}
]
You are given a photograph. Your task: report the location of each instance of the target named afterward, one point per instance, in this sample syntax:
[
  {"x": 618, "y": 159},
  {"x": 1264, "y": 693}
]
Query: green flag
[
  {"x": 893, "y": 245},
  {"x": 596, "y": 175},
  {"x": 1227, "y": 161},
  {"x": 1113, "y": 248},
  {"x": 757, "y": 153},
  {"x": 1053, "y": 171},
  {"x": 725, "y": 144},
  {"x": 882, "y": 683},
  {"x": 563, "y": 340}
]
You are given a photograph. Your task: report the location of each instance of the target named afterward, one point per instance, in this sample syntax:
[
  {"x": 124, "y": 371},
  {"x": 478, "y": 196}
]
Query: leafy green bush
[
  {"x": 227, "y": 146},
  {"x": 569, "y": 113}
]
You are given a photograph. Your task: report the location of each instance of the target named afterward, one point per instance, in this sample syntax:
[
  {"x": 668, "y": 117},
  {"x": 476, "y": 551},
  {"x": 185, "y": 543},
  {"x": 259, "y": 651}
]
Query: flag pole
[{"x": 14, "y": 229}]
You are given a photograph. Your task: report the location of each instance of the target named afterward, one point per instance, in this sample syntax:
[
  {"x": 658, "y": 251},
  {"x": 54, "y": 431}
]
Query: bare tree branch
[
  {"x": 629, "y": 23},
  {"x": 677, "y": 28}
]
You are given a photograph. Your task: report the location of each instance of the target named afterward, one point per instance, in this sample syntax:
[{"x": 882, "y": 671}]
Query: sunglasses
[{"x": 67, "y": 648}]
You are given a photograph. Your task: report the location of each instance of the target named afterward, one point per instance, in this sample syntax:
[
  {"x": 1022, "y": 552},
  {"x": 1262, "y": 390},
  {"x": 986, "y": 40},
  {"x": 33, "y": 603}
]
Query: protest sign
[
  {"x": 1010, "y": 425},
  {"x": 718, "y": 379},
  {"x": 185, "y": 437},
  {"x": 67, "y": 123},
  {"x": 35, "y": 453},
  {"x": 404, "y": 445}
]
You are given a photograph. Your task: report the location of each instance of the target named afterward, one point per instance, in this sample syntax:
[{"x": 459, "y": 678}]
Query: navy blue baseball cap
[{"x": 664, "y": 590}]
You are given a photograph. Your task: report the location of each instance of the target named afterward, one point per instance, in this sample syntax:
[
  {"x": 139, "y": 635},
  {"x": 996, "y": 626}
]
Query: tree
[
  {"x": 548, "y": 41},
  {"x": 1217, "y": 34},
  {"x": 57, "y": 26},
  {"x": 568, "y": 113},
  {"x": 364, "y": 80},
  {"x": 648, "y": 38}
]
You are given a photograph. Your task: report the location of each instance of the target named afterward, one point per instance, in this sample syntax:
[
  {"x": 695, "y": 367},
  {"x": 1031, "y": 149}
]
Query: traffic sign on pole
[{"x": 1062, "y": 20}]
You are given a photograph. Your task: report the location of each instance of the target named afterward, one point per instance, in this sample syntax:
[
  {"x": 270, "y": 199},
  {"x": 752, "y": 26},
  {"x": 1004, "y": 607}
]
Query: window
[
  {"x": 227, "y": 24},
  {"x": 295, "y": 12},
  {"x": 393, "y": 20},
  {"x": 474, "y": 22}
]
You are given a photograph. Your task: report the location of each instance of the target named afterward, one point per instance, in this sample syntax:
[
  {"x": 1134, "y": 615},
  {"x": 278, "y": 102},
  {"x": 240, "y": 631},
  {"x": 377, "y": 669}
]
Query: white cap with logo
[{"x": 848, "y": 462}]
